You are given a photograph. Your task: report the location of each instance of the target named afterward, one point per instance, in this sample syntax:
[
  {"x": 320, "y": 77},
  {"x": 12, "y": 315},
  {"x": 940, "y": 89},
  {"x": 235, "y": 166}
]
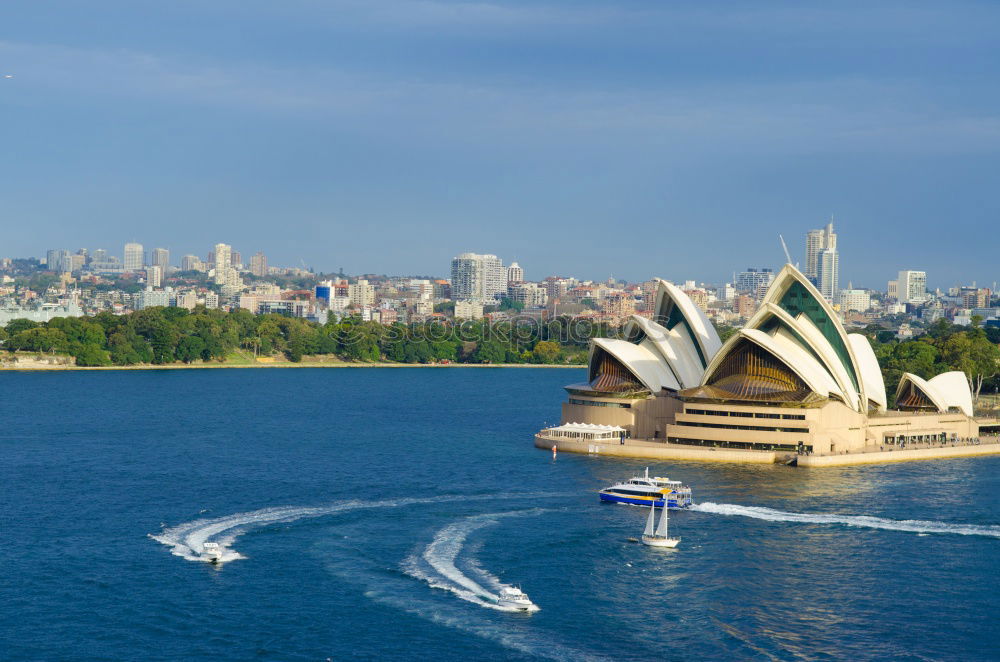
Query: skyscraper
[
  {"x": 829, "y": 273},
  {"x": 133, "y": 257},
  {"x": 478, "y": 278},
  {"x": 816, "y": 242},
  {"x": 222, "y": 255},
  {"x": 823, "y": 261},
  {"x": 161, "y": 259},
  {"x": 258, "y": 264},
  {"x": 154, "y": 275}
]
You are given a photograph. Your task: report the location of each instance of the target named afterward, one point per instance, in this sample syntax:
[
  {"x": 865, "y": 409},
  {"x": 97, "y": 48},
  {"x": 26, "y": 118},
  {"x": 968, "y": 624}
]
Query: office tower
[
  {"x": 100, "y": 255},
  {"x": 161, "y": 259},
  {"x": 478, "y": 278},
  {"x": 258, "y": 264},
  {"x": 816, "y": 242},
  {"x": 191, "y": 263},
  {"x": 828, "y": 282},
  {"x": 515, "y": 274},
  {"x": 912, "y": 286},
  {"x": 133, "y": 257}
]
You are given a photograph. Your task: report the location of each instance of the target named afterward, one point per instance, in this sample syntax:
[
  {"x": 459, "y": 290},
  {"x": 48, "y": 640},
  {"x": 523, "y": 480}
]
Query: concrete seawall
[
  {"x": 654, "y": 450},
  {"x": 657, "y": 451},
  {"x": 898, "y": 455}
]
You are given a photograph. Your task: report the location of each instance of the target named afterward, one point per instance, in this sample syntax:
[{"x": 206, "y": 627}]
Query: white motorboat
[
  {"x": 212, "y": 552},
  {"x": 658, "y": 536},
  {"x": 514, "y": 598}
]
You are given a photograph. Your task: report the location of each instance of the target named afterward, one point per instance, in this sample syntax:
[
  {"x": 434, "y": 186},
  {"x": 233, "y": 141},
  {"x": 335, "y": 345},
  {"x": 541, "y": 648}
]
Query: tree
[
  {"x": 545, "y": 351},
  {"x": 39, "y": 340},
  {"x": 92, "y": 355},
  {"x": 15, "y": 327},
  {"x": 190, "y": 348},
  {"x": 489, "y": 351},
  {"x": 972, "y": 353}
]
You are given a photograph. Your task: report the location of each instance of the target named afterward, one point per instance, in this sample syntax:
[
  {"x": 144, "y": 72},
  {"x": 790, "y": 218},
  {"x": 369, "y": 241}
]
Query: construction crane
[{"x": 785, "y": 247}]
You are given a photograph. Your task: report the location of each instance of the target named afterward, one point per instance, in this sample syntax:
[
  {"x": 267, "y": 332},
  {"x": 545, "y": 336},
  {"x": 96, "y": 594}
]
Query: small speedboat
[
  {"x": 658, "y": 536},
  {"x": 212, "y": 552},
  {"x": 514, "y": 598}
]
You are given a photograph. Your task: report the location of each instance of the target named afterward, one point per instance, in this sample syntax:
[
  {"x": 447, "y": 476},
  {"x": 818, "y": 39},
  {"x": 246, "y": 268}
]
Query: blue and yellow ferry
[{"x": 646, "y": 490}]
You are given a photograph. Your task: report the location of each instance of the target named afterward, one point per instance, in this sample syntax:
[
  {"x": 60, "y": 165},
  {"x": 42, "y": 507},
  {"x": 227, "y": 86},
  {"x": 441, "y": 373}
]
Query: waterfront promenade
[{"x": 659, "y": 450}]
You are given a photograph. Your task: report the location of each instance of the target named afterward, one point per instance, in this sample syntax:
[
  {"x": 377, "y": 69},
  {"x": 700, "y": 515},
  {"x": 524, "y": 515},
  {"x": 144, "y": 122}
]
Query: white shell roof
[
  {"x": 797, "y": 359},
  {"x": 871, "y": 373},
  {"x": 698, "y": 322},
  {"x": 641, "y": 360},
  {"x": 779, "y": 287},
  {"x": 676, "y": 349},
  {"x": 949, "y": 389},
  {"x": 953, "y": 388}
]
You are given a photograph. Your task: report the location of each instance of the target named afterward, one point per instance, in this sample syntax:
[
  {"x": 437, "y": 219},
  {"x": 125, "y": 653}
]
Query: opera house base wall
[
  {"x": 657, "y": 450},
  {"x": 899, "y": 455},
  {"x": 643, "y": 417}
]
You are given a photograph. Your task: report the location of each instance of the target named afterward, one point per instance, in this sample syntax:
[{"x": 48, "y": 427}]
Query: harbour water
[{"x": 375, "y": 514}]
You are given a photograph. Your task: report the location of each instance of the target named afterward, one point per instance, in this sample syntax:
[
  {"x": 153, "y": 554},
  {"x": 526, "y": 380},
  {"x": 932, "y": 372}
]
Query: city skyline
[
  {"x": 154, "y": 255},
  {"x": 389, "y": 136}
]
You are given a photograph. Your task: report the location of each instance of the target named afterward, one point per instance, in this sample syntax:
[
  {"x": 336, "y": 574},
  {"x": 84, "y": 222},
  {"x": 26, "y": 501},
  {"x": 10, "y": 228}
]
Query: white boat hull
[
  {"x": 517, "y": 606},
  {"x": 653, "y": 541}
]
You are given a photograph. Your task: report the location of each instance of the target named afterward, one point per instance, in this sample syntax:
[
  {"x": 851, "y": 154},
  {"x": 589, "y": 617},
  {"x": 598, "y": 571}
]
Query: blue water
[{"x": 374, "y": 511}]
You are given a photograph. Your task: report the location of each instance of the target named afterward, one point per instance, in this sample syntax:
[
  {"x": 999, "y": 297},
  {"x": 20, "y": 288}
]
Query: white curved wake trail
[
  {"x": 440, "y": 555},
  {"x": 187, "y": 540},
  {"x": 910, "y": 526}
]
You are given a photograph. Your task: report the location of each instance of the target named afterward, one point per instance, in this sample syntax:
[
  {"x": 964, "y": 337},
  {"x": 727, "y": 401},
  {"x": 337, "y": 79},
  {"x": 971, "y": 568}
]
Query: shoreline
[{"x": 284, "y": 364}]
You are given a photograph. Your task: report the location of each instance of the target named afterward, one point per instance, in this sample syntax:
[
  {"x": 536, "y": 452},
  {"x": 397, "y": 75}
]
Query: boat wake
[
  {"x": 188, "y": 540},
  {"x": 910, "y": 526},
  {"x": 437, "y": 564}
]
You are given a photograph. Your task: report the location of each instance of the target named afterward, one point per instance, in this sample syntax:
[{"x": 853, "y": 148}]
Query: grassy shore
[{"x": 238, "y": 360}]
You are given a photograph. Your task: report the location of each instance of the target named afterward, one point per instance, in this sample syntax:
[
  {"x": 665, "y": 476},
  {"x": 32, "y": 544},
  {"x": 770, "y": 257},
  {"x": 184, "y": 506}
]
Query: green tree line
[{"x": 168, "y": 335}]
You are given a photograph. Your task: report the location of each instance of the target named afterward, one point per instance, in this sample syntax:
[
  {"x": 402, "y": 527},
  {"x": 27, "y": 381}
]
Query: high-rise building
[
  {"x": 515, "y": 274},
  {"x": 478, "y": 278},
  {"x": 752, "y": 280},
  {"x": 154, "y": 276},
  {"x": 816, "y": 242},
  {"x": 133, "y": 257},
  {"x": 258, "y": 264},
  {"x": 161, "y": 259},
  {"x": 361, "y": 293},
  {"x": 829, "y": 273},
  {"x": 236, "y": 260},
  {"x": 100, "y": 255},
  {"x": 912, "y": 286},
  {"x": 223, "y": 255},
  {"x": 191, "y": 263}
]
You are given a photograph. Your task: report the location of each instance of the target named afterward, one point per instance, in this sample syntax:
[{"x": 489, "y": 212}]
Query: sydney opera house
[{"x": 791, "y": 381}]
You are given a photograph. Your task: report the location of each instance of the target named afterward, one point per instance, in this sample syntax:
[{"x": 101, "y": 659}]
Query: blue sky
[{"x": 578, "y": 137}]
